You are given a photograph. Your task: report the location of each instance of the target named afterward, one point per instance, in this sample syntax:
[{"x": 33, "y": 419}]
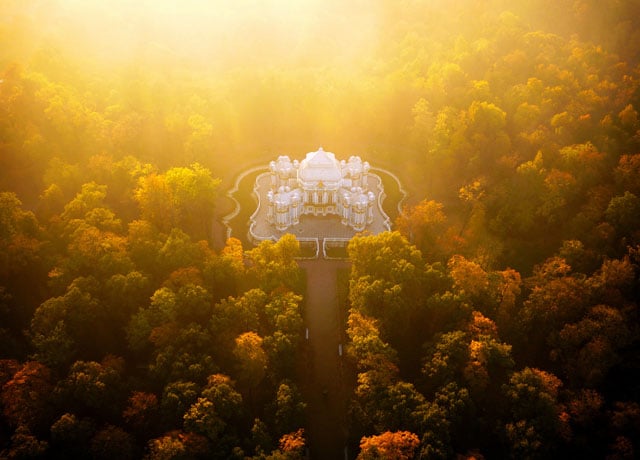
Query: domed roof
[{"x": 320, "y": 166}]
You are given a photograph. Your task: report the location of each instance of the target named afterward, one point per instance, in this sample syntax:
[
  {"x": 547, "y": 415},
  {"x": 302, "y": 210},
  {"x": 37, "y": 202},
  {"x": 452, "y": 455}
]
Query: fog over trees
[{"x": 498, "y": 318}]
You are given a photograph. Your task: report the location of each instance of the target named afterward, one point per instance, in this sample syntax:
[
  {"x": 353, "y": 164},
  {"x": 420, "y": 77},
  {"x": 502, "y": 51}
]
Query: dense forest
[{"x": 499, "y": 318}]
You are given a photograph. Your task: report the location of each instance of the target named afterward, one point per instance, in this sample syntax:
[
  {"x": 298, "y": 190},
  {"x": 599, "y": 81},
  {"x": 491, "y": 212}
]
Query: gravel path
[{"x": 325, "y": 387}]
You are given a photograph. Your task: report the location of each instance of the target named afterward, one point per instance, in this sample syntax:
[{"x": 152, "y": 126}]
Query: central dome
[{"x": 320, "y": 167}]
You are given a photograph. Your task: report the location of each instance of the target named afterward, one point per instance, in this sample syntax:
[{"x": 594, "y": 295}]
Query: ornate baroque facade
[{"x": 319, "y": 185}]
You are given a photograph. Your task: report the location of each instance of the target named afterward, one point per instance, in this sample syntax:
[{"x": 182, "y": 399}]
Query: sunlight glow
[{"x": 218, "y": 31}]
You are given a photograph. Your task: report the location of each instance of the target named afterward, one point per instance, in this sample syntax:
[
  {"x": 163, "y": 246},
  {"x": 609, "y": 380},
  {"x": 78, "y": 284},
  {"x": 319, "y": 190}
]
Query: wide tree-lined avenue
[{"x": 326, "y": 383}]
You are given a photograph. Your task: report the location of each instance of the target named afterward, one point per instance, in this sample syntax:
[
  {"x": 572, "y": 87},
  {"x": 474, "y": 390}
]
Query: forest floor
[{"x": 326, "y": 385}]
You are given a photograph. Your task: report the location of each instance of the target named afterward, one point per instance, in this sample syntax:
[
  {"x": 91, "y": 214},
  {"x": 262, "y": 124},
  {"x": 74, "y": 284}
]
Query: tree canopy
[{"x": 498, "y": 319}]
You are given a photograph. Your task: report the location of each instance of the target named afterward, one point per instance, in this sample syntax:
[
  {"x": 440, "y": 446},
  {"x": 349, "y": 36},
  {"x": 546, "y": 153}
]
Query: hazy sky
[{"x": 215, "y": 32}]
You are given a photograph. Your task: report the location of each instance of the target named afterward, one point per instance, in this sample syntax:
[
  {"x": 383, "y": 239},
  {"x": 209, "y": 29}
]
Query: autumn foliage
[{"x": 499, "y": 317}]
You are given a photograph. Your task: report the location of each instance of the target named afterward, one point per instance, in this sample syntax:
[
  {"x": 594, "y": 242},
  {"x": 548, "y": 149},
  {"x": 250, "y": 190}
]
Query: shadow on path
[{"x": 325, "y": 386}]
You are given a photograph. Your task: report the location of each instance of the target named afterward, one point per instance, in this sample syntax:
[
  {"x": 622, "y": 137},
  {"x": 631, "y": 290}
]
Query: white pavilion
[{"x": 319, "y": 185}]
